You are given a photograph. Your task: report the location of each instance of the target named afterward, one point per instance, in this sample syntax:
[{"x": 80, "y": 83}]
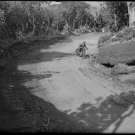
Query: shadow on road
[
  {"x": 20, "y": 111},
  {"x": 110, "y": 110},
  {"x": 42, "y": 57},
  {"x": 33, "y": 52}
]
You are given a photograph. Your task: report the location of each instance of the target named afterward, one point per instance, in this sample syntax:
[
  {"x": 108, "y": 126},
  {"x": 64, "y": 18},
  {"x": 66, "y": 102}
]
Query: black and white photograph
[{"x": 67, "y": 66}]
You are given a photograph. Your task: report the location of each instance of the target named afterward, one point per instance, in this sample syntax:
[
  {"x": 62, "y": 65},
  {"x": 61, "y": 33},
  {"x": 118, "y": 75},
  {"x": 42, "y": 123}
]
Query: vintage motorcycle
[{"x": 81, "y": 51}]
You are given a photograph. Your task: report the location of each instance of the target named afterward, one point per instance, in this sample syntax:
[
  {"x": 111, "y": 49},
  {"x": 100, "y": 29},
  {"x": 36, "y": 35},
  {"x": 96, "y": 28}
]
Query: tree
[
  {"x": 119, "y": 12},
  {"x": 33, "y": 18}
]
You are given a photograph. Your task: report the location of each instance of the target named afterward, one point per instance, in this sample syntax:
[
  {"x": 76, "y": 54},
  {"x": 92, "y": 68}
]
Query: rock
[{"x": 120, "y": 69}]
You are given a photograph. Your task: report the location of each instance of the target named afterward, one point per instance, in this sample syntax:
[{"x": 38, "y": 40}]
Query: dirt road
[{"x": 71, "y": 84}]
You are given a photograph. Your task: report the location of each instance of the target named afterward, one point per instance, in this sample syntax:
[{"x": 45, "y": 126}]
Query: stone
[{"x": 120, "y": 69}]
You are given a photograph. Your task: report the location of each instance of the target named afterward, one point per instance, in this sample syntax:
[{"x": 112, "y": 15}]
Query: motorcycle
[
  {"x": 80, "y": 52},
  {"x": 77, "y": 51}
]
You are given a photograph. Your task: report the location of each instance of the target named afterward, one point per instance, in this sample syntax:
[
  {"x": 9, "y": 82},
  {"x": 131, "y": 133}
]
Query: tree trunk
[
  {"x": 128, "y": 3},
  {"x": 22, "y": 28},
  {"x": 73, "y": 25},
  {"x": 86, "y": 22},
  {"x": 48, "y": 23},
  {"x": 81, "y": 22},
  {"x": 34, "y": 26},
  {"x": 27, "y": 25},
  {"x": 115, "y": 20},
  {"x": 57, "y": 26}
]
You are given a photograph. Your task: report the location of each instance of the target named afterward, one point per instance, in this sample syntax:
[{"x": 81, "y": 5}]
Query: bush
[
  {"x": 117, "y": 53},
  {"x": 125, "y": 35}
]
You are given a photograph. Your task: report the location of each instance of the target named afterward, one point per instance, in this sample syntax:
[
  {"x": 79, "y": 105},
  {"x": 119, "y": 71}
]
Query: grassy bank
[
  {"x": 118, "y": 48},
  {"x": 118, "y": 53}
]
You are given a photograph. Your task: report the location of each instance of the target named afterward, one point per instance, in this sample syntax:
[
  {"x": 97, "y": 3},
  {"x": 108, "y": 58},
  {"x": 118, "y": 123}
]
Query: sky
[{"x": 93, "y": 3}]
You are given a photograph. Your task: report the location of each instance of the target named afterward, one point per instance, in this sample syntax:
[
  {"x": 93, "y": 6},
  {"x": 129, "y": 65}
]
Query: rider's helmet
[{"x": 84, "y": 43}]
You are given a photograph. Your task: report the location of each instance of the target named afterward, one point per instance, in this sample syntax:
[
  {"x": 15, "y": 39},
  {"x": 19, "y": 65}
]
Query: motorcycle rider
[{"x": 82, "y": 49}]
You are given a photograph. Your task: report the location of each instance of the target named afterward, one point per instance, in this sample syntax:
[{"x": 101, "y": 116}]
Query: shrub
[{"x": 125, "y": 34}]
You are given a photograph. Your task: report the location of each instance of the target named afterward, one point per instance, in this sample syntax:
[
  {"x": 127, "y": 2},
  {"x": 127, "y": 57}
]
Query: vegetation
[
  {"x": 118, "y": 12},
  {"x": 22, "y": 19},
  {"x": 26, "y": 20},
  {"x": 117, "y": 48},
  {"x": 125, "y": 34},
  {"x": 117, "y": 53}
]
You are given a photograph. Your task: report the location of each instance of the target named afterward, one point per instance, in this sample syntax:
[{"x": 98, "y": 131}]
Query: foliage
[
  {"x": 125, "y": 34},
  {"x": 119, "y": 13},
  {"x": 22, "y": 19}
]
